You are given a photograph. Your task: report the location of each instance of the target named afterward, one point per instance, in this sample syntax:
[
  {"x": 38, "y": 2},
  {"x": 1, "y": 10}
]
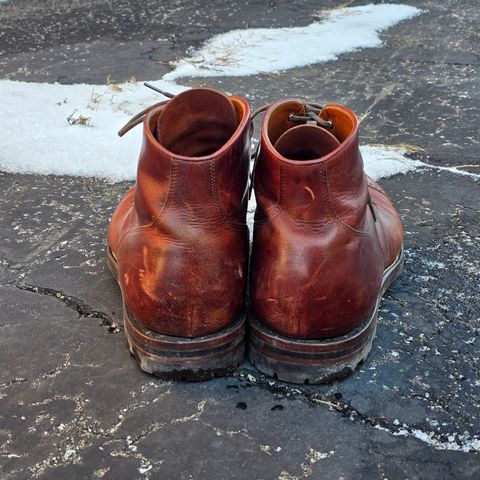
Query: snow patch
[
  {"x": 382, "y": 162},
  {"x": 257, "y": 50},
  {"x": 72, "y": 129}
]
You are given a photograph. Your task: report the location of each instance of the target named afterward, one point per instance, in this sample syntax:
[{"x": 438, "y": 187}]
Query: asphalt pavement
[{"x": 73, "y": 403}]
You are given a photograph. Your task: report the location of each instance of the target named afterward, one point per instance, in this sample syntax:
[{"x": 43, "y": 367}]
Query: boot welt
[
  {"x": 316, "y": 361},
  {"x": 181, "y": 358}
]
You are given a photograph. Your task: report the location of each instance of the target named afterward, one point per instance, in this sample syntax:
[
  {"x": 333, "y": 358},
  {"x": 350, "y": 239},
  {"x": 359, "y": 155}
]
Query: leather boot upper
[
  {"x": 179, "y": 235},
  {"x": 324, "y": 232}
]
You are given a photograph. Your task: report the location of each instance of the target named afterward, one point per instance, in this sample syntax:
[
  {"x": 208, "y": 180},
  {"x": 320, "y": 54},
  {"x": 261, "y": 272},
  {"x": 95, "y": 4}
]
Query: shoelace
[
  {"x": 138, "y": 118},
  {"x": 312, "y": 112}
]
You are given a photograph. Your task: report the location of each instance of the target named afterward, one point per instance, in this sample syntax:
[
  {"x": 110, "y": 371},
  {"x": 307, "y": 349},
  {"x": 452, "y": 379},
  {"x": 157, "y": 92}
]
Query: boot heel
[
  {"x": 316, "y": 361},
  {"x": 180, "y": 358},
  {"x": 186, "y": 359},
  {"x": 309, "y": 361}
]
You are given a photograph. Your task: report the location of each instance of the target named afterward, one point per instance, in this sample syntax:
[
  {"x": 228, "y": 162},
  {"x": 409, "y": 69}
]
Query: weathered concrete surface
[{"x": 73, "y": 403}]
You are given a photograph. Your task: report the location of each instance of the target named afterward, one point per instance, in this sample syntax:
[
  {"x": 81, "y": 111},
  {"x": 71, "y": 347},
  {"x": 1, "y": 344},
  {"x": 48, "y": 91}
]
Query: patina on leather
[
  {"x": 179, "y": 236},
  {"x": 324, "y": 232}
]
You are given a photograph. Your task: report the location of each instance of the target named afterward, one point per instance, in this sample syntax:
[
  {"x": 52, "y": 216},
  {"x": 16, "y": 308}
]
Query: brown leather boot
[
  {"x": 327, "y": 244},
  {"x": 178, "y": 242}
]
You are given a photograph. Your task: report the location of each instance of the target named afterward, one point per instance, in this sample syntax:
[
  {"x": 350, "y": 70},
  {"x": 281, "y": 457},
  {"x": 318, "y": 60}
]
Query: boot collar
[
  {"x": 277, "y": 121},
  {"x": 158, "y": 166}
]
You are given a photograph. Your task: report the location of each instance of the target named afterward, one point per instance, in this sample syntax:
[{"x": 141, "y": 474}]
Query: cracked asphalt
[{"x": 73, "y": 403}]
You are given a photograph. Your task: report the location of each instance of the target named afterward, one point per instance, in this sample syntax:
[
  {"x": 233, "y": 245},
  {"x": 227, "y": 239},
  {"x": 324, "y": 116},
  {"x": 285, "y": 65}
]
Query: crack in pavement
[
  {"x": 454, "y": 442},
  {"x": 67, "y": 450},
  {"x": 384, "y": 93},
  {"x": 74, "y": 303},
  {"x": 130, "y": 450},
  {"x": 19, "y": 268},
  {"x": 50, "y": 374}
]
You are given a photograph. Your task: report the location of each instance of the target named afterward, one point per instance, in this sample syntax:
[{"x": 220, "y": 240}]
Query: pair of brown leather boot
[{"x": 327, "y": 242}]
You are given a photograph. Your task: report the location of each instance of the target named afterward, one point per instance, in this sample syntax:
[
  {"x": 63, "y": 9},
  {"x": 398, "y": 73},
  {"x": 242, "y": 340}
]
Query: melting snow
[
  {"x": 255, "y": 50},
  {"x": 36, "y": 136},
  {"x": 381, "y": 162}
]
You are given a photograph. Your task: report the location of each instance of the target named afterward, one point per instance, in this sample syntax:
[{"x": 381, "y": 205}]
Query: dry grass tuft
[
  {"x": 406, "y": 147},
  {"x": 80, "y": 119},
  {"x": 113, "y": 85}
]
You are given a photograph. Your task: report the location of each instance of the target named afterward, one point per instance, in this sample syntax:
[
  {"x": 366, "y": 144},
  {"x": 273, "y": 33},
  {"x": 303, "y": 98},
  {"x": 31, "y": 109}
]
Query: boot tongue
[
  {"x": 196, "y": 122},
  {"x": 306, "y": 142}
]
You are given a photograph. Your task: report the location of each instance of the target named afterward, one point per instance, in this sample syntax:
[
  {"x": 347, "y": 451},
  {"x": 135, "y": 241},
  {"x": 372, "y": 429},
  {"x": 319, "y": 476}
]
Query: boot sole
[
  {"x": 181, "y": 358},
  {"x": 316, "y": 361}
]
